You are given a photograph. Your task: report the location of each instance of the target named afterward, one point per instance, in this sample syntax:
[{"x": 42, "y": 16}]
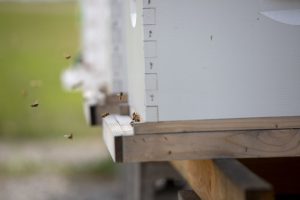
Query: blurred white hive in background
[{"x": 99, "y": 71}]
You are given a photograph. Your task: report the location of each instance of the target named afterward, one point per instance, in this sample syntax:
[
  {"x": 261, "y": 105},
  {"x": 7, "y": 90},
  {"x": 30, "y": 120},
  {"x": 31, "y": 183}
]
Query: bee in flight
[
  {"x": 35, "y": 104},
  {"x": 104, "y": 115},
  {"x": 69, "y": 136},
  {"x": 68, "y": 56}
]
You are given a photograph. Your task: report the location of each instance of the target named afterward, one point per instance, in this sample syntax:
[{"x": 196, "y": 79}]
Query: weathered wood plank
[
  {"x": 223, "y": 179},
  {"x": 209, "y": 145},
  {"x": 127, "y": 147},
  {"x": 217, "y": 125},
  {"x": 113, "y": 133},
  {"x": 187, "y": 195}
]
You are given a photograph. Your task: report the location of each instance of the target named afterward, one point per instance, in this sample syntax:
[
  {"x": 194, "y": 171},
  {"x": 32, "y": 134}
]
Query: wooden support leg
[
  {"x": 131, "y": 181},
  {"x": 140, "y": 178},
  {"x": 223, "y": 179},
  {"x": 187, "y": 195}
]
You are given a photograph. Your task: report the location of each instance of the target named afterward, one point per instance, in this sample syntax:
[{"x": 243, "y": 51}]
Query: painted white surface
[
  {"x": 135, "y": 59},
  {"x": 151, "y": 65},
  {"x": 150, "y": 49},
  {"x": 93, "y": 72},
  {"x": 151, "y": 82},
  {"x": 232, "y": 65},
  {"x": 149, "y": 16},
  {"x": 219, "y": 59},
  {"x": 291, "y": 17},
  {"x": 117, "y": 46},
  {"x": 151, "y": 113},
  {"x": 268, "y": 5},
  {"x": 283, "y": 11},
  {"x": 152, "y": 98}
]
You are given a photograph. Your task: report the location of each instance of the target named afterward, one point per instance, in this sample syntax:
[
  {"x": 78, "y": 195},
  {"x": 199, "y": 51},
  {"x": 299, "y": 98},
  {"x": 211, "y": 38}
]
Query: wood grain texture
[
  {"x": 223, "y": 179},
  {"x": 114, "y": 128},
  {"x": 217, "y": 125},
  {"x": 187, "y": 195},
  {"x": 209, "y": 145},
  {"x": 120, "y": 139}
]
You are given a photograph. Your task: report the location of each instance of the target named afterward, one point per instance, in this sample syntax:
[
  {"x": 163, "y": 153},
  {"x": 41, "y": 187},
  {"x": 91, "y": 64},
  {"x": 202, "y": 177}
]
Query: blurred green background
[{"x": 34, "y": 37}]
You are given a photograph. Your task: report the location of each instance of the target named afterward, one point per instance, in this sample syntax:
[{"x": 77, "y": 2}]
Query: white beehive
[
  {"x": 209, "y": 59},
  {"x": 102, "y": 42}
]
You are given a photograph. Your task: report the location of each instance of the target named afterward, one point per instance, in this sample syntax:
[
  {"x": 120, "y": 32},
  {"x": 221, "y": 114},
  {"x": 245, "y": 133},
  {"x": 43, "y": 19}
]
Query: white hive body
[{"x": 211, "y": 59}]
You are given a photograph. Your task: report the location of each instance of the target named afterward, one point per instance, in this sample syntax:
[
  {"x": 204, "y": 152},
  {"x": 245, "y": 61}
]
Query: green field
[{"x": 33, "y": 40}]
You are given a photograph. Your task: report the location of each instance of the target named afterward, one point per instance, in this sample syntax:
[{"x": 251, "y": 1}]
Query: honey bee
[
  {"x": 136, "y": 117},
  {"x": 69, "y": 136},
  {"x": 35, "y": 104},
  {"x": 68, "y": 56},
  {"x": 104, "y": 115},
  {"x": 121, "y": 94}
]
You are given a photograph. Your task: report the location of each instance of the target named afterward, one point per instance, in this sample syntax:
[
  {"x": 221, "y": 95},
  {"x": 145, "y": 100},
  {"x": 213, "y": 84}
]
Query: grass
[
  {"x": 105, "y": 168},
  {"x": 33, "y": 40},
  {"x": 101, "y": 168}
]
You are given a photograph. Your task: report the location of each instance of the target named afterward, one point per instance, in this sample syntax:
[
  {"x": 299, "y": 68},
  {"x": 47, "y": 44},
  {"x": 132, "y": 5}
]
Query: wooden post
[
  {"x": 223, "y": 179},
  {"x": 187, "y": 195}
]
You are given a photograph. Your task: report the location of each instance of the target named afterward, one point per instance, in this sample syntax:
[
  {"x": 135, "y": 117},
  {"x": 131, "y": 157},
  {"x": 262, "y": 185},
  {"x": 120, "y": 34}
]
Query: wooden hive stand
[{"x": 204, "y": 152}]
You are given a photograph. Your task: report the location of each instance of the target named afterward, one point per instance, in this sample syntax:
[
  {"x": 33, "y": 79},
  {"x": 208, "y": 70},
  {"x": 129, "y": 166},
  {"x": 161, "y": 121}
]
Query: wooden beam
[
  {"x": 197, "y": 145},
  {"x": 187, "y": 195},
  {"x": 114, "y": 128},
  {"x": 217, "y": 125},
  {"x": 209, "y": 145},
  {"x": 223, "y": 179}
]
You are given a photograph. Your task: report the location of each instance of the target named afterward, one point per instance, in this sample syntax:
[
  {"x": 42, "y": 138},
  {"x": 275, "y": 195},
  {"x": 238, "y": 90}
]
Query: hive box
[
  {"x": 212, "y": 59},
  {"x": 103, "y": 66},
  {"x": 103, "y": 41}
]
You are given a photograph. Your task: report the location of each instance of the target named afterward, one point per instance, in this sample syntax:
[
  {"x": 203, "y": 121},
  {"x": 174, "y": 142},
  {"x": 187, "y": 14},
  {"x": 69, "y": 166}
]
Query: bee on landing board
[
  {"x": 136, "y": 117},
  {"x": 35, "y": 104},
  {"x": 69, "y": 136},
  {"x": 104, "y": 115}
]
